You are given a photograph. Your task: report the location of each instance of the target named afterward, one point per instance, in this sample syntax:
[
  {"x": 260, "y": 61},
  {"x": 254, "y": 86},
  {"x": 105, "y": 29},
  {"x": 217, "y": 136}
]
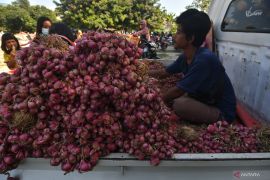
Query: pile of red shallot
[
  {"x": 87, "y": 103},
  {"x": 76, "y": 106}
]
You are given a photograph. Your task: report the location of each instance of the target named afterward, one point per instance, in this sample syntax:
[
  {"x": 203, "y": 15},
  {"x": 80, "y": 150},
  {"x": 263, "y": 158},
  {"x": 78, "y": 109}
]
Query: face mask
[{"x": 45, "y": 31}]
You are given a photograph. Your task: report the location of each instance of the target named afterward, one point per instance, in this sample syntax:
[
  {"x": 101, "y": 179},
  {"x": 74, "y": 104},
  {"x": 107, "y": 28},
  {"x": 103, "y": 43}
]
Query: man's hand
[
  {"x": 172, "y": 94},
  {"x": 158, "y": 73}
]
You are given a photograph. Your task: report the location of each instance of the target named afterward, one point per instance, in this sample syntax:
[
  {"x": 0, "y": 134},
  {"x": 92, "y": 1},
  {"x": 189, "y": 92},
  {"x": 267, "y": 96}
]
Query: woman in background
[
  {"x": 10, "y": 45},
  {"x": 43, "y": 26}
]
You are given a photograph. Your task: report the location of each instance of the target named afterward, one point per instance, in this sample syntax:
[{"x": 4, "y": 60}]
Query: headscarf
[{"x": 143, "y": 23}]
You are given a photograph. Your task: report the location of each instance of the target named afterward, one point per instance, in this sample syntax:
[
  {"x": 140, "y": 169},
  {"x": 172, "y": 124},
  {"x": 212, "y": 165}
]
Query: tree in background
[
  {"x": 149, "y": 10},
  {"x": 117, "y": 14},
  {"x": 92, "y": 13},
  {"x": 202, "y": 5},
  {"x": 16, "y": 19},
  {"x": 24, "y": 4},
  {"x": 20, "y": 16},
  {"x": 37, "y": 11},
  {"x": 170, "y": 25}
]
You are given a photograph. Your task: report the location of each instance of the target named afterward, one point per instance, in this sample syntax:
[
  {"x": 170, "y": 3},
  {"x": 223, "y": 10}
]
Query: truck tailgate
[{"x": 183, "y": 166}]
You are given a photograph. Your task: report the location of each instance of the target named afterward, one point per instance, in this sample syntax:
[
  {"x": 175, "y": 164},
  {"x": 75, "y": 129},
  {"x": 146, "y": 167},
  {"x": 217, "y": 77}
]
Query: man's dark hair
[
  {"x": 40, "y": 22},
  {"x": 194, "y": 23},
  {"x": 8, "y": 36},
  {"x": 63, "y": 30}
]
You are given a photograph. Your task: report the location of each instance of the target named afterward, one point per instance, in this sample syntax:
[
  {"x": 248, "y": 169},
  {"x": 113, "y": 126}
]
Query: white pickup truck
[{"x": 242, "y": 42}]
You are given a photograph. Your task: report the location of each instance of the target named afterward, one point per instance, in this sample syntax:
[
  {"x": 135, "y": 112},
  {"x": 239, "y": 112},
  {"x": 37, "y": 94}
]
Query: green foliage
[
  {"x": 37, "y": 11},
  {"x": 20, "y": 16},
  {"x": 16, "y": 19},
  {"x": 89, "y": 14},
  {"x": 117, "y": 14},
  {"x": 24, "y": 4},
  {"x": 200, "y": 4},
  {"x": 170, "y": 23}
]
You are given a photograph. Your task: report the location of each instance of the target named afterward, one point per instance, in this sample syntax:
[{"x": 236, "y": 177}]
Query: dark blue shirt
[{"x": 201, "y": 76}]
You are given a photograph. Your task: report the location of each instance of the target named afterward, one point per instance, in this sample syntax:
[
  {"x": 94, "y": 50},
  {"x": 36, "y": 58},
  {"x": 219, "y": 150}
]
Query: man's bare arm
[{"x": 172, "y": 94}]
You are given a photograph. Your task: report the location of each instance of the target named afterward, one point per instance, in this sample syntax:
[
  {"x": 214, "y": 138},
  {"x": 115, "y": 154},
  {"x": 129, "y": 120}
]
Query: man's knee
[{"x": 180, "y": 104}]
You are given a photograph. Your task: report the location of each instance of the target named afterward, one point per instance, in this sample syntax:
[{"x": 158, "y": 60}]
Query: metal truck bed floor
[{"x": 182, "y": 167}]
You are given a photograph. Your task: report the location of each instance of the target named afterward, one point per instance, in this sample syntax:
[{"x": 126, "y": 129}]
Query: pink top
[{"x": 144, "y": 31}]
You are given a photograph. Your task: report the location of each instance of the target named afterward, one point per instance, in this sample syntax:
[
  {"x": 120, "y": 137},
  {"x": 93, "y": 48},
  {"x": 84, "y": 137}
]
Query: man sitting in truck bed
[{"x": 205, "y": 94}]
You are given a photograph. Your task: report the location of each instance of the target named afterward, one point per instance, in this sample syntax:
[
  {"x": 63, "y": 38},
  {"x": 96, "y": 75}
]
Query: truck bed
[{"x": 222, "y": 166}]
